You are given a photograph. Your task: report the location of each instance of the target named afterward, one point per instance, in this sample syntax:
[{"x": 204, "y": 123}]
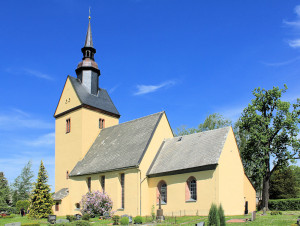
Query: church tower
[{"x": 82, "y": 111}]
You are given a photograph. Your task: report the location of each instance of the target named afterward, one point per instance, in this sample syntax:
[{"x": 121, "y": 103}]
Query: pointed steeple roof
[{"x": 88, "y": 39}]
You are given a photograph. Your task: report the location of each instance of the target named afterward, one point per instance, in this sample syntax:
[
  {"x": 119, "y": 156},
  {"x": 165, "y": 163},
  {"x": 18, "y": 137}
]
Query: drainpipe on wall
[{"x": 141, "y": 181}]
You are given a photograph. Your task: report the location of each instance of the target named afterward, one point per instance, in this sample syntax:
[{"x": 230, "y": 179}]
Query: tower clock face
[{"x": 67, "y": 100}]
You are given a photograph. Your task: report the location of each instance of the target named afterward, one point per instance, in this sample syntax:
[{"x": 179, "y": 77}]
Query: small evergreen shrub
[
  {"x": 85, "y": 217},
  {"x": 284, "y": 204},
  {"x": 221, "y": 215},
  {"x": 124, "y": 221},
  {"x": 116, "y": 219},
  {"x": 138, "y": 220},
  {"x": 71, "y": 218},
  {"x": 213, "y": 216},
  {"x": 9, "y": 209},
  {"x": 8, "y": 216}
]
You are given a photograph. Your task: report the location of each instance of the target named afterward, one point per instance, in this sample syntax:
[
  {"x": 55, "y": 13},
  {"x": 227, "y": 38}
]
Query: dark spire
[
  {"x": 88, "y": 39},
  {"x": 88, "y": 65}
]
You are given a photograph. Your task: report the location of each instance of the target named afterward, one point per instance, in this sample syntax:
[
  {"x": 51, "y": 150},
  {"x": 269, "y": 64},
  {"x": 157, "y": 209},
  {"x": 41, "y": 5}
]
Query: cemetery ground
[{"x": 287, "y": 218}]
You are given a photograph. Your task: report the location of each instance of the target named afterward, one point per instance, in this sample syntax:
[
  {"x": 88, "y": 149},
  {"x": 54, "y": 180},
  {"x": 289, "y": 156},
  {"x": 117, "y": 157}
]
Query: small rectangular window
[
  {"x": 101, "y": 123},
  {"x": 68, "y": 125},
  {"x": 57, "y": 206},
  {"x": 122, "y": 190},
  {"x": 89, "y": 183},
  {"x": 103, "y": 183}
]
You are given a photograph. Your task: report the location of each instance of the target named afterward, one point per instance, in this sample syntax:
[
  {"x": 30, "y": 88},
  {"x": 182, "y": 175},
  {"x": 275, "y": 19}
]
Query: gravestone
[
  {"x": 264, "y": 210},
  {"x": 59, "y": 221},
  {"x": 202, "y": 223},
  {"x": 14, "y": 224},
  {"x": 78, "y": 217},
  {"x": 106, "y": 215},
  {"x": 253, "y": 216},
  {"x": 52, "y": 219},
  {"x": 298, "y": 222}
]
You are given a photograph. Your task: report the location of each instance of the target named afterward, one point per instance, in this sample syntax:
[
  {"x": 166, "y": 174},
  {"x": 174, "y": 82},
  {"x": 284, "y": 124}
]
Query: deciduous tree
[{"x": 271, "y": 126}]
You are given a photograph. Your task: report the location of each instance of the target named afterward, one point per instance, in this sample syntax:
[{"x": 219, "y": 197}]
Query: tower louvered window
[
  {"x": 103, "y": 183},
  {"x": 101, "y": 123},
  {"x": 68, "y": 125},
  {"x": 122, "y": 190}
]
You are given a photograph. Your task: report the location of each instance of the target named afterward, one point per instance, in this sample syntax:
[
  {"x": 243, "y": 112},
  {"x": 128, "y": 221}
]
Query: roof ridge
[
  {"x": 134, "y": 120},
  {"x": 207, "y": 131}
]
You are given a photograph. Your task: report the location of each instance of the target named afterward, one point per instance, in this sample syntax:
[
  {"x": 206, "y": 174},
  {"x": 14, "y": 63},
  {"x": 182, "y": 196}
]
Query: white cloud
[
  {"x": 111, "y": 90},
  {"x": 37, "y": 74},
  {"x": 143, "y": 89},
  {"x": 20, "y": 119},
  {"x": 44, "y": 140},
  {"x": 294, "y": 43}
]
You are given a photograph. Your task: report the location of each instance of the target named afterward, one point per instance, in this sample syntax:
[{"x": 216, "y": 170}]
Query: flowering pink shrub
[{"x": 96, "y": 203}]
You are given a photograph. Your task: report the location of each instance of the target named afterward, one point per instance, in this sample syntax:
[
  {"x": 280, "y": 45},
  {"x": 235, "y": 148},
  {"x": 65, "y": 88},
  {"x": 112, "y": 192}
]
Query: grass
[{"x": 287, "y": 218}]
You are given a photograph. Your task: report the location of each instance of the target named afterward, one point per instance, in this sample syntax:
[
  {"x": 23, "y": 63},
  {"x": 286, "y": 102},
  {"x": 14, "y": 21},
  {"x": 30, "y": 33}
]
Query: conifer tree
[
  {"x": 4, "y": 191},
  {"x": 41, "y": 201}
]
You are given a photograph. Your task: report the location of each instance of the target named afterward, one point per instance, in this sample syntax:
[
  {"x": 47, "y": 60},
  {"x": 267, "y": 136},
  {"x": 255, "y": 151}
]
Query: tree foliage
[
  {"x": 4, "y": 191},
  {"x": 22, "y": 204},
  {"x": 270, "y": 128},
  {"x": 23, "y": 185},
  {"x": 283, "y": 184},
  {"x": 213, "y": 121},
  {"x": 213, "y": 216},
  {"x": 41, "y": 201}
]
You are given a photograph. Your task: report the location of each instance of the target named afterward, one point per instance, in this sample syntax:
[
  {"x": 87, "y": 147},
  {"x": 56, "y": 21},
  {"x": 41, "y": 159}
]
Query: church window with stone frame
[
  {"x": 103, "y": 183},
  {"x": 101, "y": 123},
  {"x": 122, "y": 181},
  {"x": 162, "y": 191},
  {"x": 68, "y": 125},
  {"x": 191, "y": 189},
  {"x": 89, "y": 180}
]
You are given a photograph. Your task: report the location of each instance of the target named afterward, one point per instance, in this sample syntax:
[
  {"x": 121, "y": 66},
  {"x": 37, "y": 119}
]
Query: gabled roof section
[
  {"x": 100, "y": 101},
  {"x": 62, "y": 193},
  {"x": 119, "y": 147},
  {"x": 198, "y": 151}
]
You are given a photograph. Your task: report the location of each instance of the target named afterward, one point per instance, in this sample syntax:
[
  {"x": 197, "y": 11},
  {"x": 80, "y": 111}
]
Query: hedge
[
  {"x": 284, "y": 204},
  {"x": 9, "y": 210}
]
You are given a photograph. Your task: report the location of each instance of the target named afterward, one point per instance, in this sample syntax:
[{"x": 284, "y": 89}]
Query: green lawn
[{"x": 287, "y": 218}]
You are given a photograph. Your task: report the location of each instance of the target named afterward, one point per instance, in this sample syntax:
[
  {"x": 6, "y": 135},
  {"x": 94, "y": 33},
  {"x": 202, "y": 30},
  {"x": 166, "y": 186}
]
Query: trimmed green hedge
[{"x": 284, "y": 204}]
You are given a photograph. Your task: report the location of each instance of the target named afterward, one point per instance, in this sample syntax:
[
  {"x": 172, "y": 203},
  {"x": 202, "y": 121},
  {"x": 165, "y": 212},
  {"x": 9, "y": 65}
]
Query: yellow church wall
[
  {"x": 250, "y": 194},
  {"x": 79, "y": 187},
  {"x": 176, "y": 189},
  {"x": 231, "y": 178},
  {"x": 162, "y": 132},
  {"x": 67, "y": 147},
  {"x": 68, "y": 99}
]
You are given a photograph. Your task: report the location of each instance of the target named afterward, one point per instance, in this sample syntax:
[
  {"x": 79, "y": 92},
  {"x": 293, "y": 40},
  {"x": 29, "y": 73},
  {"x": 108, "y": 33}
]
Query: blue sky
[{"x": 189, "y": 58}]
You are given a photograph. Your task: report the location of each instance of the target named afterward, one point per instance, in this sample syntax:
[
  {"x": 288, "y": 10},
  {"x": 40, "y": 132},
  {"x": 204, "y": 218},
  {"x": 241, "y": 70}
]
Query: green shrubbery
[
  {"x": 116, "y": 219},
  {"x": 31, "y": 224},
  {"x": 22, "y": 204},
  {"x": 80, "y": 223},
  {"x": 138, "y": 220},
  {"x": 213, "y": 216},
  {"x": 9, "y": 209},
  {"x": 85, "y": 217},
  {"x": 284, "y": 204},
  {"x": 71, "y": 218},
  {"x": 276, "y": 213},
  {"x": 124, "y": 221},
  {"x": 221, "y": 215}
]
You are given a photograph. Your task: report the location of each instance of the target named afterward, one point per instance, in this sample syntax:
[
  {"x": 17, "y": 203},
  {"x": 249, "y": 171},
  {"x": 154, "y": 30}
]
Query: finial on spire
[{"x": 89, "y": 13}]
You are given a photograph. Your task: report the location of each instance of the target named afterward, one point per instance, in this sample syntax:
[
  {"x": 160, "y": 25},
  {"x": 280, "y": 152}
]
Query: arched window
[
  {"x": 162, "y": 191},
  {"x": 67, "y": 174},
  {"x": 191, "y": 189}
]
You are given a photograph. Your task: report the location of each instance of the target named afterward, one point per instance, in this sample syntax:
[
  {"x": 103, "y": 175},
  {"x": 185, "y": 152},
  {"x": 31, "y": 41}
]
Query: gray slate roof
[
  {"x": 60, "y": 194},
  {"x": 101, "y": 101},
  {"x": 119, "y": 147},
  {"x": 195, "y": 150}
]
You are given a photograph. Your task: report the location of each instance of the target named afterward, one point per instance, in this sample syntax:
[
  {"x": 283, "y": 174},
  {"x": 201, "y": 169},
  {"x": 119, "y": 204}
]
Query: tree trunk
[{"x": 265, "y": 193}]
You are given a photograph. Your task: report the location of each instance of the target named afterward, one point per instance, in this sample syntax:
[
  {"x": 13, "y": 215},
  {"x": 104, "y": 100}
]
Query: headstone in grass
[
  {"x": 14, "y": 224},
  {"x": 200, "y": 224},
  {"x": 264, "y": 210},
  {"x": 106, "y": 215},
  {"x": 59, "y": 221},
  {"x": 78, "y": 217},
  {"x": 52, "y": 219},
  {"x": 253, "y": 216}
]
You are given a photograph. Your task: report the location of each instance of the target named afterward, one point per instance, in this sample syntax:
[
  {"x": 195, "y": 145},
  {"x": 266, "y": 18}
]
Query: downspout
[{"x": 141, "y": 181}]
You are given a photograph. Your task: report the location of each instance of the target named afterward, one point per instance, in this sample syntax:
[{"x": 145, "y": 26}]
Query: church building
[{"x": 137, "y": 161}]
